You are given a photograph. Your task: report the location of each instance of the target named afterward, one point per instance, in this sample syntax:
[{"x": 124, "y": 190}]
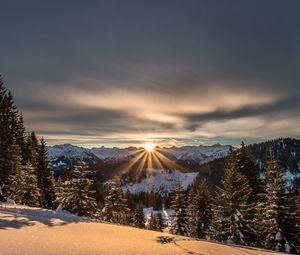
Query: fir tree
[
  {"x": 152, "y": 224},
  {"x": 277, "y": 211},
  {"x": 21, "y": 135},
  {"x": 63, "y": 193},
  {"x": 230, "y": 207},
  {"x": 76, "y": 195},
  {"x": 8, "y": 128},
  {"x": 31, "y": 151},
  {"x": 199, "y": 210},
  {"x": 160, "y": 222},
  {"x": 180, "y": 221},
  {"x": 115, "y": 207},
  {"x": 139, "y": 217},
  {"x": 16, "y": 179},
  {"x": 31, "y": 193},
  {"x": 45, "y": 178},
  {"x": 246, "y": 165}
]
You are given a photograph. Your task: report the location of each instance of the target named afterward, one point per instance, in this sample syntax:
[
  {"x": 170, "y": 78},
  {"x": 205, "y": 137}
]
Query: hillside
[
  {"x": 286, "y": 150},
  {"x": 31, "y": 231}
]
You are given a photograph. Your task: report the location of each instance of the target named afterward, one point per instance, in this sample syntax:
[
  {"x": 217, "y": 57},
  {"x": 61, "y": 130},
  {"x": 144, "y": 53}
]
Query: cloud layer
[{"x": 182, "y": 73}]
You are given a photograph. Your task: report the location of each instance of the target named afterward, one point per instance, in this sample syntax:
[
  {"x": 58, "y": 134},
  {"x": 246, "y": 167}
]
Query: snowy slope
[
  {"x": 115, "y": 153},
  {"x": 167, "y": 214},
  {"x": 200, "y": 154},
  {"x": 161, "y": 181},
  {"x": 68, "y": 151},
  {"x": 34, "y": 231}
]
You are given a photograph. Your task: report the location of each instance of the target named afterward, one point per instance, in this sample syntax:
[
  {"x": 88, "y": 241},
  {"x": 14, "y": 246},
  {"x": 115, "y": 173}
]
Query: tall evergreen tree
[
  {"x": 230, "y": 207},
  {"x": 199, "y": 210},
  {"x": 152, "y": 223},
  {"x": 156, "y": 222},
  {"x": 8, "y": 128},
  {"x": 31, "y": 193},
  {"x": 180, "y": 221},
  {"x": 160, "y": 222},
  {"x": 63, "y": 193},
  {"x": 12, "y": 134},
  {"x": 115, "y": 206},
  {"x": 45, "y": 178},
  {"x": 21, "y": 135},
  {"x": 277, "y": 211},
  {"x": 16, "y": 179},
  {"x": 76, "y": 195},
  {"x": 138, "y": 217},
  {"x": 31, "y": 151},
  {"x": 246, "y": 165}
]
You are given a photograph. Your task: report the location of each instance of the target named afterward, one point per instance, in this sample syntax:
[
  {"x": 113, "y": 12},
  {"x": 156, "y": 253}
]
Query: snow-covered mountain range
[
  {"x": 199, "y": 154},
  {"x": 162, "y": 178},
  {"x": 204, "y": 161}
]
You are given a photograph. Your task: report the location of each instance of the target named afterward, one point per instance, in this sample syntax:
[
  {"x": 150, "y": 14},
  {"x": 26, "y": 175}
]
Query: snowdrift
[{"x": 34, "y": 231}]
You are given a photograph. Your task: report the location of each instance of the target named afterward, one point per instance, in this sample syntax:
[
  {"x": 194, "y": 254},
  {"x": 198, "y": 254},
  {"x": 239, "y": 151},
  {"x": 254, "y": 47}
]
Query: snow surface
[
  {"x": 34, "y": 231},
  {"x": 68, "y": 151},
  {"x": 199, "y": 153},
  {"x": 290, "y": 177},
  {"x": 167, "y": 214},
  {"x": 115, "y": 153},
  {"x": 160, "y": 180}
]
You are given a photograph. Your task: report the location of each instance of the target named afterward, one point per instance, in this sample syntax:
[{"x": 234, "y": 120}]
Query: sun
[{"x": 149, "y": 147}]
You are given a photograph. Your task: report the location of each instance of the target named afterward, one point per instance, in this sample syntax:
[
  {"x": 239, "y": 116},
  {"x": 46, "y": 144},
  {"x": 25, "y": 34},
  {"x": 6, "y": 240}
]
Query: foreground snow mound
[
  {"x": 35, "y": 231},
  {"x": 30, "y": 215}
]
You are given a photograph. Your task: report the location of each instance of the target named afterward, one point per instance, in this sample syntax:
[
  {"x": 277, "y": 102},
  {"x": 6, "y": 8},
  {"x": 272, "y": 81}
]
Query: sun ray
[
  {"x": 141, "y": 166},
  {"x": 126, "y": 166},
  {"x": 157, "y": 160},
  {"x": 149, "y": 164},
  {"x": 168, "y": 162}
]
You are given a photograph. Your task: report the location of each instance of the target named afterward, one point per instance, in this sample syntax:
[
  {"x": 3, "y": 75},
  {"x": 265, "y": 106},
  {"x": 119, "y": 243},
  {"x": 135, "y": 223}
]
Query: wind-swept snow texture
[{"x": 35, "y": 231}]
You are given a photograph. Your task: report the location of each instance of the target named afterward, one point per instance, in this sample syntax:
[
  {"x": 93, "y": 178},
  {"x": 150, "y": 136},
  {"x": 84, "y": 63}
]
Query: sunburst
[{"x": 149, "y": 147}]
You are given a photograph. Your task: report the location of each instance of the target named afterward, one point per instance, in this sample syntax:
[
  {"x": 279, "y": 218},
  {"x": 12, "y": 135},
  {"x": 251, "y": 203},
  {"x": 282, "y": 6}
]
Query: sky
[{"x": 119, "y": 73}]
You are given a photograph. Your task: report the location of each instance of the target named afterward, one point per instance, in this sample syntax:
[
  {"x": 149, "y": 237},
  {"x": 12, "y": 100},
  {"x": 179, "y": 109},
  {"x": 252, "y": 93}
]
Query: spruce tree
[
  {"x": 277, "y": 212},
  {"x": 63, "y": 194},
  {"x": 180, "y": 220},
  {"x": 152, "y": 224},
  {"x": 8, "y": 128},
  {"x": 16, "y": 178},
  {"x": 199, "y": 210},
  {"x": 160, "y": 222},
  {"x": 45, "y": 177},
  {"x": 115, "y": 206},
  {"x": 20, "y": 138},
  {"x": 246, "y": 165},
  {"x": 76, "y": 195},
  {"x": 12, "y": 134},
  {"x": 230, "y": 207},
  {"x": 297, "y": 199},
  {"x": 139, "y": 217},
  {"x": 31, "y": 151},
  {"x": 31, "y": 193}
]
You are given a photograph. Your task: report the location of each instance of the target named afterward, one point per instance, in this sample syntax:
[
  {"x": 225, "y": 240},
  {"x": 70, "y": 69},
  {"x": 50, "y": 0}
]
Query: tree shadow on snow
[
  {"x": 17, "y": 217},
  {"x": 7, "y": 222}
]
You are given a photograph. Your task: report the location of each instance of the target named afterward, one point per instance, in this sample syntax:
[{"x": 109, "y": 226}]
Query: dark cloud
[
  {"x": 179, "y": 50},
  {"x": 287, "y": 107}
]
